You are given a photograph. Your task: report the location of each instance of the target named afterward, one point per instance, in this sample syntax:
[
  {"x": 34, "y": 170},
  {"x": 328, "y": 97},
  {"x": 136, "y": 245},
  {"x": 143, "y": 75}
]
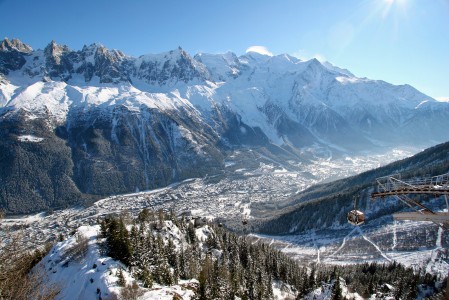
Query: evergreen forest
[{"x": 161, "y": 248}]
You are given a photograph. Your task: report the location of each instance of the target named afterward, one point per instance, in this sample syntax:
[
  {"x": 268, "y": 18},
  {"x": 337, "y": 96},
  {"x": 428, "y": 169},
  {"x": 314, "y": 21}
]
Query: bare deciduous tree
[
  {"x": 131, "y": 292},
  {"x": 78, "y": 251},
  {"x": 20, "y": 278}
]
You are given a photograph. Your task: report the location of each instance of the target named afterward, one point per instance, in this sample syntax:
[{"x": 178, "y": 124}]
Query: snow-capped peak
[
  {"x": 220, "y": 66},
  {"x": 265, "y": 91}
]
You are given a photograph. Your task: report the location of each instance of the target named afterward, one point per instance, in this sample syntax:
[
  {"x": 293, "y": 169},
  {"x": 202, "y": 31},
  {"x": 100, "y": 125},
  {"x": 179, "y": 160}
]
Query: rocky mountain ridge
[{"x": 325, "y": 102}]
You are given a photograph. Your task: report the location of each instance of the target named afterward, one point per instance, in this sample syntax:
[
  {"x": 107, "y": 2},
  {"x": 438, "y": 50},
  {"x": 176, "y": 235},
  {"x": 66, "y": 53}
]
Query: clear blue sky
[{"x": 400, "y": 41}]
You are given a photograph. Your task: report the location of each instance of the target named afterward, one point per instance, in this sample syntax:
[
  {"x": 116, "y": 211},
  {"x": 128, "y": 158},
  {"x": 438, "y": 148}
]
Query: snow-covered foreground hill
[
  {"x": 88, "y": 273},
  {"x": 84, "y": 270},
  {"x": 93, "y": 275}
]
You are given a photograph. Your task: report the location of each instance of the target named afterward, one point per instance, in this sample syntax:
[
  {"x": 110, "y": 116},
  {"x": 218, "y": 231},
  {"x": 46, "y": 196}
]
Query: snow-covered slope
[
  {"x": 80, "y": 269},
  {"x": 89, "y": 274}
]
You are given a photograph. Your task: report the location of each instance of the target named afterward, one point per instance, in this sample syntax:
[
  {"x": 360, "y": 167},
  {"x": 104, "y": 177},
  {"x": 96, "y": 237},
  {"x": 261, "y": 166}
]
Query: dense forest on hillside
[{"x": 163, "y": 249}]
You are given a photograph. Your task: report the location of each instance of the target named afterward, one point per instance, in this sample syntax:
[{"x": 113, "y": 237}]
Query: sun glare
[
  {"x": 399, "y": 2},
  {"x": 389, "y": 5}
]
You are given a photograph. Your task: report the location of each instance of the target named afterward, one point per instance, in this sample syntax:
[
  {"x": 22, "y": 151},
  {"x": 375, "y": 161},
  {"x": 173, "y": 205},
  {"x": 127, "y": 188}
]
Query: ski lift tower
[{"x": 436, "y": 186}]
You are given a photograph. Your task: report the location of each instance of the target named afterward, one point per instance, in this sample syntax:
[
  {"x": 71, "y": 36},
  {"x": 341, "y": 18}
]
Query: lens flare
[{"x": 389, "y": 6}]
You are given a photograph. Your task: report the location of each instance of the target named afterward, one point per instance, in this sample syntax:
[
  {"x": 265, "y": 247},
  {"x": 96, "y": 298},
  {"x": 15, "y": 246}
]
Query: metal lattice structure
[
  {"x": 433, "y": 186},
  {"x": 436, "y": 186}
]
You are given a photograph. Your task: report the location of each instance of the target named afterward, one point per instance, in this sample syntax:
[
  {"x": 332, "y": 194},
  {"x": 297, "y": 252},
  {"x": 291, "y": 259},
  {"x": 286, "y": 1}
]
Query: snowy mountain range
[{"x": 99, "y": 122}]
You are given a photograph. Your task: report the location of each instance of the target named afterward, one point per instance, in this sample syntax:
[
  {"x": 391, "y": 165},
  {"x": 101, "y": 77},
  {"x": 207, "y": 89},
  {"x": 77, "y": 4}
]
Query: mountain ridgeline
[{"x": 79, "y": 125}]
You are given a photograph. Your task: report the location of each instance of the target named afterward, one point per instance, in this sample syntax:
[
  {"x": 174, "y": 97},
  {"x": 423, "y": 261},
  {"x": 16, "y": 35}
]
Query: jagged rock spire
[{"x": 14, "y": 45}]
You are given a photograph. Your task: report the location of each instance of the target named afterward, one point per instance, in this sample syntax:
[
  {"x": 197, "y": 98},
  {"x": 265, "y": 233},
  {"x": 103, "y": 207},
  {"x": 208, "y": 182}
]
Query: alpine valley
[
  {"x": 76, "y": 126},
  {"x": 208, "y": 163}
]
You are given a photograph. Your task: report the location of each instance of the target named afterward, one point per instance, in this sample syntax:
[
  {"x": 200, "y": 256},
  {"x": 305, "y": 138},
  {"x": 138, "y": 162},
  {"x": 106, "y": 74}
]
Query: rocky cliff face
[{"x": 97, "y": 122}]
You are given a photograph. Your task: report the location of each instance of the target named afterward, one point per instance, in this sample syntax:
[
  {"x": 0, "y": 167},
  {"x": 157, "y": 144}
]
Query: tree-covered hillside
[
  {"x": 327, "y": 204},
  {"x": 162, "y": 249}
]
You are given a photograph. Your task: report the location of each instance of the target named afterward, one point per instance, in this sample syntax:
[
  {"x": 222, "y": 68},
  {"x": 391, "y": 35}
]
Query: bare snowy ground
[{"x": 421, "y": 245}]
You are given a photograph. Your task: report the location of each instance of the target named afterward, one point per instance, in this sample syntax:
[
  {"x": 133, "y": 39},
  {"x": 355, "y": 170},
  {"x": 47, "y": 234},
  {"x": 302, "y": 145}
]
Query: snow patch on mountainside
[
  {"x": 349, "y": 80},
  {"x": 7, "y": 91},
  {"x": 42, "y": 98},
  {"x": 29, "y": 138}
]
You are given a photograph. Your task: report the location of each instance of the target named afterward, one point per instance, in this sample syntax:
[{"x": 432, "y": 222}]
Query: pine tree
[
  {"x": 250, "y": 278},
  {"x": 336, "y": 290},
  {"x": 121, "y": 278},
  {"x": 311, "y": 281},
  {"x": 269, "y": 287},
  {"x": 399, "y": 289},
  {"x": 223, "y": 280},
  {"x": 123, "y": 243},
  {"x": 202, "y": 289},
  {"x": 172, "y": 256},
  {"x": 211, "y": 241},
  {"x": 161, "y": 271},
  {"x": 261, "y": 285},
  {"x": 236, "y": 269},
  {"x": 183, "y": 271},
  {"x": 190, "y": 235},
  {"x": 135, "y": 245},
  {"x": 206, "y": 279},
  {"x": 161, "y": 218},
  {"x": 412, "y": 289},
  {"x": 192, "y": 266},
  {"x": 144, "y": 216},
  {"x": 146, "y": 278}
]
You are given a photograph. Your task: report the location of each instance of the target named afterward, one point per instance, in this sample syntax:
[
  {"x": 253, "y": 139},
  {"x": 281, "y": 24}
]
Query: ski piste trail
[
  {"x": 372, "y": 243},
  {"x": 344, "y": 241}
]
